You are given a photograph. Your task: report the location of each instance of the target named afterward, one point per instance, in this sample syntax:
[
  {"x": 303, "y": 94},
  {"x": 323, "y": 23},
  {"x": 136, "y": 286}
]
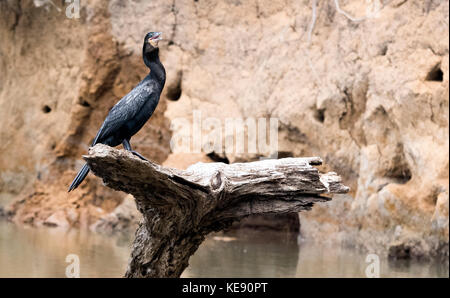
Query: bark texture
[{"x": 180, "y": 207}]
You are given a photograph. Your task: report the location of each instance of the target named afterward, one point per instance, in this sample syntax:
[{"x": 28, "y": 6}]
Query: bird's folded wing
[{"x": 125, "y": 110}]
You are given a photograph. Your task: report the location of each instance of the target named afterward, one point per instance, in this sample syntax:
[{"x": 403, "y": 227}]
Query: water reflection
[
  {"x": 265, "y": 254},
  {"x": 31, "y": 252},
  {"x": 251, "y": 254},
  {"x": 41, "y": 252}
]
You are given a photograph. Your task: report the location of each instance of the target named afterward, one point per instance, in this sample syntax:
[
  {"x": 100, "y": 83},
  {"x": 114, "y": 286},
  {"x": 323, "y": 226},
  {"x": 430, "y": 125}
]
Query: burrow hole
[
  {"x": 435, "y": 74},
  {"x": 319, "y": 115},
  {"x": 46, "y": 109},
  {"x": 217, "y": 158},
  {"x": 174, "y": 90}
]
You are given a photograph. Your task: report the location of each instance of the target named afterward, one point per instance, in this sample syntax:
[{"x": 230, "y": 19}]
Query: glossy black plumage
[{"x": 128, "y": 116}]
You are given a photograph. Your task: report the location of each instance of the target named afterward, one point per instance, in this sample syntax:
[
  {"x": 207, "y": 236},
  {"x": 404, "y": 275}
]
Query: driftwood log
[{"x": 180, "y": 207}]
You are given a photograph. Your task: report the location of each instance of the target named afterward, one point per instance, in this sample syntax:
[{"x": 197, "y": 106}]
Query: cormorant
[{"x": 128, "y": 116}]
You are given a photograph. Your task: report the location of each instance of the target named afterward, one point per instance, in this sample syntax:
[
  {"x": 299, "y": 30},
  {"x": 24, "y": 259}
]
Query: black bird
[{"x": 128, "y": 116}]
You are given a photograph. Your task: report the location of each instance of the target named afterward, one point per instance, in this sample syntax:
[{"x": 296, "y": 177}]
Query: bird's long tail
[{"x": 80, "y": 177}]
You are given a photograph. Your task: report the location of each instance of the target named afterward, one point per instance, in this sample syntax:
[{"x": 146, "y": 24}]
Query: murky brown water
[{"x": 31, "y": 252}]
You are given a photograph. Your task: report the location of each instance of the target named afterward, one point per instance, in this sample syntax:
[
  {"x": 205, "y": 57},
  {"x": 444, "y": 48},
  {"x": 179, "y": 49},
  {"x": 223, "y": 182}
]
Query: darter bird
[{"x": 128, "y": 116}]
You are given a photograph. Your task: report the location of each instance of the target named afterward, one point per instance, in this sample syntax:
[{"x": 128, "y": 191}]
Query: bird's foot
[{"x": 138, "y": 155}]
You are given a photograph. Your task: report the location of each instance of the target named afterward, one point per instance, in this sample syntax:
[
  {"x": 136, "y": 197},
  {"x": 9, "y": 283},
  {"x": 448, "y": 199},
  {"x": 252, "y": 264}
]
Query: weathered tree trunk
[{"x": 180, "y": 207}]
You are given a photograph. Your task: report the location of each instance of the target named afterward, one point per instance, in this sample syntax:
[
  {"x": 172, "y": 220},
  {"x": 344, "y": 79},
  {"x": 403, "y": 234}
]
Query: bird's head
[
  {"x": 151, "y": 50},
  {"x": 151, "y": 40}
]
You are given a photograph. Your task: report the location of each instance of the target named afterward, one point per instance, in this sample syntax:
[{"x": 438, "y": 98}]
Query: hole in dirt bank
[
  {"x": 383, "y": 50},
  {"x": 435, "y": 74},
  {"x": 218, "y": 158},
  {"x": 398, "y": 169},
  {"x": 174, "y": 91},
  {"x": 285, "y": 154},
  {"x": 401, "y": 175},
  {"x": 319, "y": 115},
  {"x": 174, "y": 94},
  {"x": 46, "y": 109},
  {"x": 84, "y": 103}
]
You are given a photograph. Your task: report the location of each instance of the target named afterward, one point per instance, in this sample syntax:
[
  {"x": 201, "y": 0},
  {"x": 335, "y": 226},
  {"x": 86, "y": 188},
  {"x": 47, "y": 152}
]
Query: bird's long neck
[{"x": 157, "y": 70}]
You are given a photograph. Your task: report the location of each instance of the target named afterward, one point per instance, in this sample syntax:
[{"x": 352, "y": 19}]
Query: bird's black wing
[{"x": 125, "y": 110}]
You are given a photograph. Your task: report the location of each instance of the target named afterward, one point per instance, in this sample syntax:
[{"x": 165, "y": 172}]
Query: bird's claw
[{"x": 138, "y": 155}]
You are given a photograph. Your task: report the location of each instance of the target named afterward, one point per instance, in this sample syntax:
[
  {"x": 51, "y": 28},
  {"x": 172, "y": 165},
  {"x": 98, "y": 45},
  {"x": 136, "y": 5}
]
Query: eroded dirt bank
[{"x": 370, "y": 97}]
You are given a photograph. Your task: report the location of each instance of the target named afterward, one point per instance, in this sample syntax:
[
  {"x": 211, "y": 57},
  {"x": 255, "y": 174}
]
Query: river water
[{"x": 42, "y": 252}]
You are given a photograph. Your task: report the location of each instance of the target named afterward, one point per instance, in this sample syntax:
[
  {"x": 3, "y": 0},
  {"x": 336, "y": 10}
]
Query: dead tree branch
[{"x": 180, "y": 207}]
